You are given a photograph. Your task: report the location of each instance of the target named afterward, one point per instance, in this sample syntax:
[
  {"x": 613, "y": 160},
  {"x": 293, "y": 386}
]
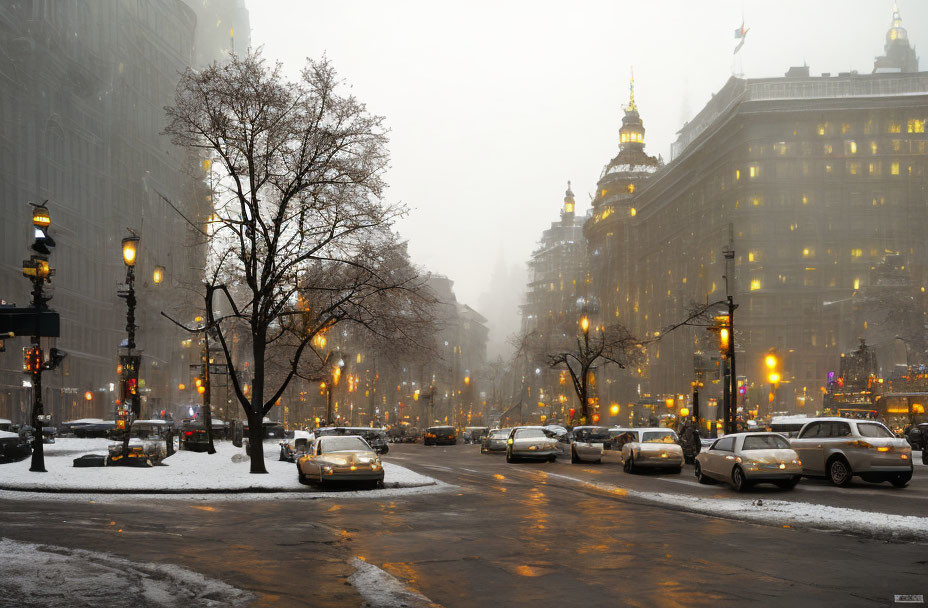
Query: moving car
[
  {"x": 743, "y": 459},
  {"x": 531, "y": 443},
  {"x": 587, "y": 443},
  {"x": 440, "y": 435},
  {"x": 495, "y": 442},
  {"x": 476, "y": 434},
  {"x": 292, "y": 449},
  {"x": 193, "y": 437},
  {"x": 840, "y": 448},
  {"x": 652, "y": 447},
  {"x": 340, "y": 458}
]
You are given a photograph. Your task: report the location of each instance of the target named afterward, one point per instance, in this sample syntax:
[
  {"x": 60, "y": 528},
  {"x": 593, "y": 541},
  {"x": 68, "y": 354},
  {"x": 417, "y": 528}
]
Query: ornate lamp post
[{"x": 130, "y": 404}]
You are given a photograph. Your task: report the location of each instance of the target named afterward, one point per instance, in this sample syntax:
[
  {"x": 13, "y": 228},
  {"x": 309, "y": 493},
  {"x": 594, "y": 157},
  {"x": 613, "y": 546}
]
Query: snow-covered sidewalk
[
  {"x": 782, "y": 512},
  {"x": 227, "y": 471}
]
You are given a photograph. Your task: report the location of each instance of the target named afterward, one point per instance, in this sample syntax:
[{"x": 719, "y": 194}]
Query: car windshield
[
  {"x": 498, "y": 434},
  {"x": 441, "y": 430},
  {"x": 341, "y": 444},
  {"x": 530, "y": 434},
  {"x": 659, "y": 437},
  {"x": 765, "y": 442},
  {"x": 872, "y": 429}
]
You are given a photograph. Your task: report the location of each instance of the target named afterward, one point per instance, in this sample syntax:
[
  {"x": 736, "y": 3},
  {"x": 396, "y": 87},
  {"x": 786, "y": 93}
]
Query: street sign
[{"x": 28, "y": 322}]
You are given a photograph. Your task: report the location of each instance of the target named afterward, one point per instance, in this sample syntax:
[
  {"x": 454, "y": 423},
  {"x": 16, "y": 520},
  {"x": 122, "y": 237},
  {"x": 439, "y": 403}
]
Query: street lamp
[
  {"x": 158, "y": 275},
  {"x": 130, "y": 403},
  {"x": 130, "y": 249},
  {"x": 585, "y": 325}
]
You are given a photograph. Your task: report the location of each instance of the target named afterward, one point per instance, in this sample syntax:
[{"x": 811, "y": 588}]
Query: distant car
[
  {"x": 651, "y": 448},
  {"x": 531, "y": 443},
  {"x": 743, "y": 459},
  {"x": 13, "y": 447},
  {"x": 840, "y": 448},
  {"x": 147, "y": 444},
  {"x": 376, "y": 438},
  {"x": 587, "y": 442},
  {"x": 340, "y": 458},
  {"x": 495, "y": 442},
  {"x": 291, "y": 449},
  {"x": 193, "y": 438},
  {"x": 440, "y": 435},
  {"x": 475, "y": 434},
  {"x": 48, "y": 433},
  {"x": 6, "y": 425}
]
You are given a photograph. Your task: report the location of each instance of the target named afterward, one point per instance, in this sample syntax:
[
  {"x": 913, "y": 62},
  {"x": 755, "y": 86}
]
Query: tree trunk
[{"x": 256, "y": 442}]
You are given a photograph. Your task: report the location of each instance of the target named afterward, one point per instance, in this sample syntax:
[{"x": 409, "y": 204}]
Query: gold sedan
[{"x": 340, "y": 458}]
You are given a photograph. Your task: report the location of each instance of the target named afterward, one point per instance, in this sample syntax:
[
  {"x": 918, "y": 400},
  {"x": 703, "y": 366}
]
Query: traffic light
[
  {"x": 772, "y": 362},
  {"x": 32, "y": 359}
]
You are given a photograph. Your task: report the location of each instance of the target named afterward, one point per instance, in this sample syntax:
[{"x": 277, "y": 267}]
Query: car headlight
[
  {"x": 797, "y": 462},
  {"x": 327, "y": 469},
  {"x": 375, "y": 465}
]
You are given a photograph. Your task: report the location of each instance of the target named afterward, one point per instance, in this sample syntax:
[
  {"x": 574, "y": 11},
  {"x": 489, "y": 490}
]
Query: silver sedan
[
  {"x": 531, "y": 443},
  {"x": 743, "y": 459},
  {"x": 653, "y": 448},
  {"x": 586, "y": 443}
]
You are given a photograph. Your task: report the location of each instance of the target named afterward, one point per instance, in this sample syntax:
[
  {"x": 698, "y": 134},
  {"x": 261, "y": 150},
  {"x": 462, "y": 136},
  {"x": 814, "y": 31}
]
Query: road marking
[
  {"x": 437, "y": 467},
  {"x": 469, "y": 470}
]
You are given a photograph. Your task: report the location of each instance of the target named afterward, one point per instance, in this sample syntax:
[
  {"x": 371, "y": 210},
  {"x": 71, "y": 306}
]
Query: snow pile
[
  {"x": 46, "y": 575},
  {"x": 185, "y": 472},
  {"x": 381, "y": 590},
  {"x": 782, "y": 512}
]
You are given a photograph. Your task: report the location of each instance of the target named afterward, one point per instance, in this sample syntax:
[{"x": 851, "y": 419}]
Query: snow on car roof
[{"x": 8, "y": 435}]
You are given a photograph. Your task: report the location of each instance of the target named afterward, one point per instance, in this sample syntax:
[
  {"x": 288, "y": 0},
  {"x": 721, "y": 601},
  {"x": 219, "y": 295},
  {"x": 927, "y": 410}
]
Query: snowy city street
[{"x": 414, "y": 304}]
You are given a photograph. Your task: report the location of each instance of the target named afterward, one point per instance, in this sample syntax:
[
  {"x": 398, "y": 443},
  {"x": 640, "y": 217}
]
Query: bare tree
[
  {"x": 301, "y": 239},
  {"x": 578, "y": 352}
]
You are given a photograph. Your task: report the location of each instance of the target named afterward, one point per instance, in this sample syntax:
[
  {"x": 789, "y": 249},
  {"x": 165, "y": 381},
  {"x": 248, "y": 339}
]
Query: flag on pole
[{"x": 740, "y": 34}]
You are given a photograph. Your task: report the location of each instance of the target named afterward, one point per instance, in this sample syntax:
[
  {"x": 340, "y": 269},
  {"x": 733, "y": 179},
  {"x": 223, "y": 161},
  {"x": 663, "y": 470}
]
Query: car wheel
[
  {"x": 900, "y": 480},
  {"x": 552, "y": 458},
  {"x": 699, "y": 475},
  {"x": 629, "y": 465},
  {"x": 574, "y": 459},
  {"x": 738, "y": 481},
  {"x": 787, "y": 484},
  {"x": 299, "y": 475},
  {"x": 839, "y": 472}
]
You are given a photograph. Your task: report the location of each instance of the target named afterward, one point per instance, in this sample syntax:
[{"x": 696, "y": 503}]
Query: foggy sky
[{"x": 494, "y": 105}]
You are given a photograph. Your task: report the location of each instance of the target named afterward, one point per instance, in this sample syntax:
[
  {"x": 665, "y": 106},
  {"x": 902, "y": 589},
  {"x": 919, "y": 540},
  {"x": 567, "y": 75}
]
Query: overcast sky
[{"x": 493, "y": 106}]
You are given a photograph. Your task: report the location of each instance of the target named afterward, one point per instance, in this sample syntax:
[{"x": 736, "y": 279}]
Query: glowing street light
[
  {"x": 130, "y": 250},
  {"x": 585, "y": 324}
]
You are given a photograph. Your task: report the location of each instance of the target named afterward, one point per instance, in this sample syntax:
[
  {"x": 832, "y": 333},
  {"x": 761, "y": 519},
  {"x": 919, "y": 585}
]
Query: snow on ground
[
  {"x": 46, "y": 575},
  {"x": 783, "y": 512},
  {"x": 381, "y": 590},
  {"x": 184, "y": 472}
]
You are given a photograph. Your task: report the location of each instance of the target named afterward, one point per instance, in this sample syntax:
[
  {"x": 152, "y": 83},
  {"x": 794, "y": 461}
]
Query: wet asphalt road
[{"x": 504, "y": 535}]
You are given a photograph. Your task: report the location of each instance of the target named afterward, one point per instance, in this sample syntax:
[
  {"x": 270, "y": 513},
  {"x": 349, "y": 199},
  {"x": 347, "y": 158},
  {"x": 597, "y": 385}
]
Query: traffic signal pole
[{"x": 732, "y": 375}]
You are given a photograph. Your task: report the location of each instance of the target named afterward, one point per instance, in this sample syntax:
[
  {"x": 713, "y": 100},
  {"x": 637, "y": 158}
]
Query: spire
[
  {"x": 631, "y": 107},
  {"x": 569, "y": 202},
  {"x": 899, "y": 55}
]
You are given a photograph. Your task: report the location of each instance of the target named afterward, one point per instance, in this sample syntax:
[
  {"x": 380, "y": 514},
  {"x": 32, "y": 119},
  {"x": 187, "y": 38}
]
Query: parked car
[
  {"x": 475, "y": 434},
  {"x": 440, "y": 435},
  {"x": 340, "y": 458},
  {"x": 531, "y": 443},
  {"x": 652, "y": 448},
  {"x": 841, "y": 448},
  {"x": 291, "y": 449},
  {"x": 89, "y": 427},
  {"x": 495, "y": 442},
  {"x": 147, "y": 444},
  {"x": 587, "y": 443},
  {"x": 13, "y": 446},
  {"x": 743, "y": 459},
  {"x": 411, "y": 435},
  {"x": 6, "y": 425},
  {"x": 48, "y": 433},
  {"x": 376, "y": 438},
  {"x": 193, "y": 437}
]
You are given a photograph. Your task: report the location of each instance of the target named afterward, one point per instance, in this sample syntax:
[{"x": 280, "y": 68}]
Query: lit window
[
  {"x": 873, "y": 147},
  {"x": 853, "y": 168},
  {"x": 852, "y": 147},
  {"x": 856, "y": 253},
  {"x": 821, "y": 128},
  {"x": 630, "y": 188},
  {"x": 793, "y": 227},
  {"x": 895, "y": 127},
  {"x": 807, "y": 252},
  {"x": 894, "y": 168},
  {"x": 856, "y": 283},
  {"x": 737, "y": 174},
  {"x": 754, "y": 171},
  {"x": 828, "y": 168},
  {"x": 828, "y": 149},
  {"x": 874, "y": 168},
  {"x": 755, "y": 201},
  {"x": 755, "y": 284},
  {"x": 633, "y": 212},
  {"x": 805, "y": 199},
  {"x": 845, "y": 128},
  {"x": 603, "y": 193},
  {"x": 750, "y": 256},
  {"x": 916, "y": 126}
]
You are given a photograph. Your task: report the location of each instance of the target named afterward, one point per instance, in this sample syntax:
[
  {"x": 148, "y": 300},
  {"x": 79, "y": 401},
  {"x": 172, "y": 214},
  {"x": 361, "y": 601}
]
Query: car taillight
[{"x": 188, "y": 433}]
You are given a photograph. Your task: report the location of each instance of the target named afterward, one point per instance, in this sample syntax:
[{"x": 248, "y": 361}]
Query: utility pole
[
  {"x": 207, "y": 401},
  {"x": 730, "y": 388}
]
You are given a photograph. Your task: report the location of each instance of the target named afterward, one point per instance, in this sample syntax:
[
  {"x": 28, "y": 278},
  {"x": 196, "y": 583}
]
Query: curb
[{"x": 168, "y": 491}]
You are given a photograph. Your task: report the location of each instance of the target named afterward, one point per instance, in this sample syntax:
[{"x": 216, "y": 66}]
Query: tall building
[
  {"x": 818, "y": 178},
  {"x": 899, "y": 54},
  {"x": 83, "y": 87}
]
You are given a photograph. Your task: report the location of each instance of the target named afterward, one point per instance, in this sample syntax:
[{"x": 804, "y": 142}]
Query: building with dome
[{"x": 813, "y": 180}]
